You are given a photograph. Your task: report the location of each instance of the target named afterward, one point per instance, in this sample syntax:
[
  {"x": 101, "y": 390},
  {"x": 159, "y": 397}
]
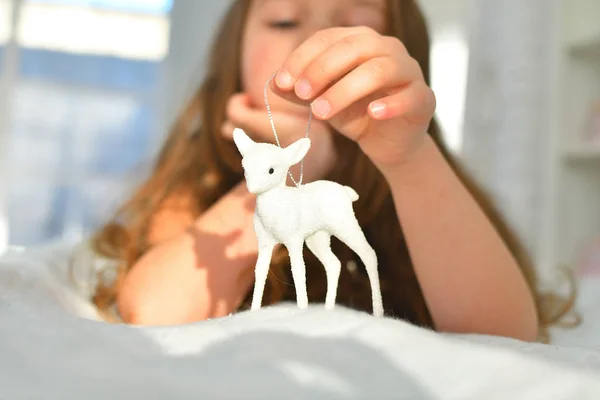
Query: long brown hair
[{"x": 197, "y": 159}]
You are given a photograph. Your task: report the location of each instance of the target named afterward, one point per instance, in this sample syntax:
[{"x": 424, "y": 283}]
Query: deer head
[{"x": 266, "y": 165}]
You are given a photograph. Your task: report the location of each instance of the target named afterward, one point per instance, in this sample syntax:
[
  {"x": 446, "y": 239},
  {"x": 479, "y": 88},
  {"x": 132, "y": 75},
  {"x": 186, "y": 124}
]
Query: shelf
[
  {"x": 583, "y": 153},
  {"x": 573, "y": 215},
  {"x": 582, "y": 22},
  {"x": 586, "y": 47}
]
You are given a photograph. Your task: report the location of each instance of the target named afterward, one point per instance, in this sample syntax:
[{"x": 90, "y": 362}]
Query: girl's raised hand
[{"x": 366, "y": 86}]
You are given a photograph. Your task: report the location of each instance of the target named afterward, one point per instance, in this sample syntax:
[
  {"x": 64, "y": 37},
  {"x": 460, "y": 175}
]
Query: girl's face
[{"x": 276, "y": 27}]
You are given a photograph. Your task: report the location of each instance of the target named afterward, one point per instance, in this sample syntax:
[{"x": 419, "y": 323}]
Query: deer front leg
[
  {"x": 320, "y": 244},
  {"x": 266, "y": 244},
  {"x": 298, "y": 272}
]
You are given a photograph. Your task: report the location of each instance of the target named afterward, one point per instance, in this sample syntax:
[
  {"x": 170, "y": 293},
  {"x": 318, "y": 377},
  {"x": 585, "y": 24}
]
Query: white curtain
[{"x": 506, "y": 139}]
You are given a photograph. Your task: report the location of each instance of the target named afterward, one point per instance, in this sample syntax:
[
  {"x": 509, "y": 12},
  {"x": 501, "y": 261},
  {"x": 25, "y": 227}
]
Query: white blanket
[{"x": 48, "y": 351}]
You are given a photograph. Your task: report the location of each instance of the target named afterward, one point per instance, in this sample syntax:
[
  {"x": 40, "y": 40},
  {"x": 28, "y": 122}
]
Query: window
[
  {"x": 78, "y": 27},
  {"x": 81, "y": 110},
  {"x": 161, "y": 7}
]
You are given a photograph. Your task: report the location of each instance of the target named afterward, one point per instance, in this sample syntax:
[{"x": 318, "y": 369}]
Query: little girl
[{"x": 185, "y": 241}]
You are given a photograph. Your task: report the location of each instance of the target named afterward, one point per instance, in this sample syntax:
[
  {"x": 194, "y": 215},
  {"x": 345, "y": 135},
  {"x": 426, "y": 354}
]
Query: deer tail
[{"x": 352, "y": 193}]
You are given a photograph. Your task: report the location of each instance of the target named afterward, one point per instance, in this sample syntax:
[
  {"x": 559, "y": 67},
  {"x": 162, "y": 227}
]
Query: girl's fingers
[
  {"x": 227, "y": 130},
  {"x": 341, "y": 58},
  {"x": 375, "y": 75},
  {"x": 288, "y": 95},
  {"x": 416, "y": 103},
  {"x": 238, "y": 106},
  {"x": 240, "y": 114},
  {"x": 310, "y": 50}
]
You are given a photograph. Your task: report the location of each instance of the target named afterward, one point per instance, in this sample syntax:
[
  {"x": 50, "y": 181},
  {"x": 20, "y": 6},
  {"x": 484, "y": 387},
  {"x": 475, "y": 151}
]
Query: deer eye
[{"x": 271, "y": 170}]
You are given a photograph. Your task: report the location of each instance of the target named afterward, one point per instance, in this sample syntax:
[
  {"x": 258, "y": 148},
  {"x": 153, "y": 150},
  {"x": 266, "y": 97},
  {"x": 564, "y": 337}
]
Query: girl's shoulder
[{"x": 175, "y": 214}]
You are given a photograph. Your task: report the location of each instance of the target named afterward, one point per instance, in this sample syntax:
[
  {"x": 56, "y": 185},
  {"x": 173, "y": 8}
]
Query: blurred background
[{"x": 89, "y": 87}]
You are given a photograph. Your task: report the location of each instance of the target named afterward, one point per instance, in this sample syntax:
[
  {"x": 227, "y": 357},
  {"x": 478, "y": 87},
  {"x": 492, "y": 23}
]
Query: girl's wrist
[{"x": 410, "y": 170}]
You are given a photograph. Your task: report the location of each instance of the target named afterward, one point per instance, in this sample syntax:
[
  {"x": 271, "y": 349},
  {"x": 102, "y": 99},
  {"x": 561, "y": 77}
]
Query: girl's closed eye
[
  {"x": 279, "y": 14},
  {"x": 284, "y": 24}
]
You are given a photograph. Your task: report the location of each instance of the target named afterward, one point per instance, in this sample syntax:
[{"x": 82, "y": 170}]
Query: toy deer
[{"x": 309, "y": 213}]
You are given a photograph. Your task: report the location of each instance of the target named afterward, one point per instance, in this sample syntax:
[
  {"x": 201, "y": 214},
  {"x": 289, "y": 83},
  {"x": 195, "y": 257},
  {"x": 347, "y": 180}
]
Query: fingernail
[
  {"x": 284, "y": 79},
  {"x": 378, "y": 109},
  {"x": 303, "y": 88},
  {"x": 321, "y": 107}
]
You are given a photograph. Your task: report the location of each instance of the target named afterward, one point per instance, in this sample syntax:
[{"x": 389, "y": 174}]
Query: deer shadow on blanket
[
  {"x": 48, "y": 354},
  {"x": 283, "y": 365}
]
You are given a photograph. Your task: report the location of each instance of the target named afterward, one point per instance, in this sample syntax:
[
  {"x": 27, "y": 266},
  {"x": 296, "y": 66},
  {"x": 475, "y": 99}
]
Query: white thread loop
[{"x": 275, "y": 131}]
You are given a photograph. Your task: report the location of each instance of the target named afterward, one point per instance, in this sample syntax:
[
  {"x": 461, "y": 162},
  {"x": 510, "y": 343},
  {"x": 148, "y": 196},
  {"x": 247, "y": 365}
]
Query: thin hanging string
[{"x": 277, "y": 137}]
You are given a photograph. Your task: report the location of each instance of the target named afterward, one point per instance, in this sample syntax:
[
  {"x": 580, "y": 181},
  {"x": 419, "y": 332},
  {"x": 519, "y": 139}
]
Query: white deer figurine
[{"x": 309, "y": 213}]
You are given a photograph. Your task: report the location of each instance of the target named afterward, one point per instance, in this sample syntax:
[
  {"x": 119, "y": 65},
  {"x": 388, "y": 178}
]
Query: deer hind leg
[
  {"x": 320, "y": 244},
  {"x": 298, "y": 272},
  {"x": 352, "y": 235}
]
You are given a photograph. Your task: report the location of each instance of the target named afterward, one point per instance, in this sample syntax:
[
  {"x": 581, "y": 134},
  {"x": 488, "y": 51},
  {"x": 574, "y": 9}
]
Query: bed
[{"x": 54, "y": 347}]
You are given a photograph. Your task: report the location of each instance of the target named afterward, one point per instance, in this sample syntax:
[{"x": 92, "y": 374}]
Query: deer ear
[
  {"x": 296, "y": 151},
  {"x": 242, "y": 141}
]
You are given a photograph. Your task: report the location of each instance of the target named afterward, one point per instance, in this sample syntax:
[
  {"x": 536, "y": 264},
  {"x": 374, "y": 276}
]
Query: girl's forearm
[
  {"x": 470, "y": 280},
  {"x": 202, "y": 272}
]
